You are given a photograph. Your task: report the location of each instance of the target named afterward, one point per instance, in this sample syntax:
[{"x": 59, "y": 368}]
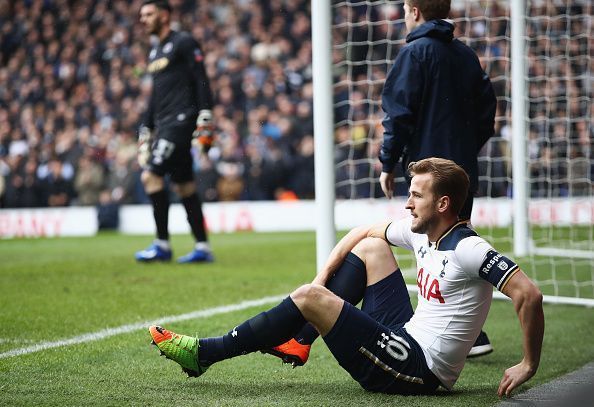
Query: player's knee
[
  {"x": 185, "y": 189},
  {"x": 372, "y": 246},
  {"x": 309, "y": 295},
  {"x": 145, "y": 177},
  {"x": 152, "y": 182}
]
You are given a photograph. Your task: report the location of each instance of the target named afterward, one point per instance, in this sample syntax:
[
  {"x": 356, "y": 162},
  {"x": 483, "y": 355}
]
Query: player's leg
[
  {"x": 370, "y": 343},
  {"x": 184, "y": 186},
  {"x": 348, "y": 282},
  {"x": 380, "y": 358},
  {"x": 370, "y": 261},
  {"x": 193, "y": 206},
  {"x": 154, "y": 186},
  {"x": 265, "y": 330}
]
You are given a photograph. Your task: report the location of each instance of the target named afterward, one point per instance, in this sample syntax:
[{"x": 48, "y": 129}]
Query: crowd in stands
[{"x": 73, "y": 88}]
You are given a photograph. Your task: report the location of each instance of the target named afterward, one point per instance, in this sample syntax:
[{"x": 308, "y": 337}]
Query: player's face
[
  {"x": 422, "y": 204},
  {"x": 150, "y": 18}
]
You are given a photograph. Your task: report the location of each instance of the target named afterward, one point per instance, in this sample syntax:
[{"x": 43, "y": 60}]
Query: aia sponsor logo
[{"x": 428, "y": 286}]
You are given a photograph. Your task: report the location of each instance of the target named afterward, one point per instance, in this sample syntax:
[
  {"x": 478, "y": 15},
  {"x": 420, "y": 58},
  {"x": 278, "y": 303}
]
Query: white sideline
[{"x": 106, "y": 333}]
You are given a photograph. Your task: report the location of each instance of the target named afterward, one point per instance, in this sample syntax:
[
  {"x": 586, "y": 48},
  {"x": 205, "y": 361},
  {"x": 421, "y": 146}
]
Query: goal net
[{"x": 559, "y": 131}]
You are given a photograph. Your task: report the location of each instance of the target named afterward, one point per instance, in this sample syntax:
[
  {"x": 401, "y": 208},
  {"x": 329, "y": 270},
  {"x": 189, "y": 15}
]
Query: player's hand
[
  {"x": 387, "y": 183},
  {"x": 514, "y": 377},
  {"x": 203, "y": 136},
  {"x": 144, "y": 146}
]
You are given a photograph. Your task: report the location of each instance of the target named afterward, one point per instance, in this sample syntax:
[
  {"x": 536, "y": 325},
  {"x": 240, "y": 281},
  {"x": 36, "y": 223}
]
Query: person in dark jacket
[
  {"x": 438, "y": 102},
  {"x": 180, "y": 110}
]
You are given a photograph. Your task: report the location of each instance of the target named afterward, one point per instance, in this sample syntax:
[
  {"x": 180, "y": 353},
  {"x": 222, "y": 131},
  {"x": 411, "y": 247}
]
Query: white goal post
[{"x": 540, "y": 163}]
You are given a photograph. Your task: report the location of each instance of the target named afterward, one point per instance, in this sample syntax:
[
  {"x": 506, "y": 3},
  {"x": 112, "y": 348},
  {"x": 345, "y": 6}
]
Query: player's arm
[
  {"x": 527, "y": 300},
  {"x": 487, "y": 105},
  {"x": 203, "y": 136},
  {"x": 345, "y": 245},
  {"x": 145, "y": 132},
  {"x": 478, "y": 257},
  {"x": 194, "y": 58}
]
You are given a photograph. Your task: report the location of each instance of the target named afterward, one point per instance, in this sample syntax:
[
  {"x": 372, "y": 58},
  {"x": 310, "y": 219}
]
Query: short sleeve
[
  {"x": 398, "y": 233},
  {"x": 479, "y": 259}
]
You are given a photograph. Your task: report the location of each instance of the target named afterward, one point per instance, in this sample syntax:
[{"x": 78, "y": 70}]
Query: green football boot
[{"x": 179, "y": 348}]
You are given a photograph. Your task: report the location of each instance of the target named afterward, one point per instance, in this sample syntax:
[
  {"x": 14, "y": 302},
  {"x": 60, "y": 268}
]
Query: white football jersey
[{"x": 455, "y": 277}]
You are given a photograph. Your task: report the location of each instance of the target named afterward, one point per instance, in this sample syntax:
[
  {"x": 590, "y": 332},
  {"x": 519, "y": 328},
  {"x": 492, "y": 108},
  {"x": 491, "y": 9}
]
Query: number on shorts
[
  {"x": 395, "y": 346},
  {"x": 162, "y": 151}
]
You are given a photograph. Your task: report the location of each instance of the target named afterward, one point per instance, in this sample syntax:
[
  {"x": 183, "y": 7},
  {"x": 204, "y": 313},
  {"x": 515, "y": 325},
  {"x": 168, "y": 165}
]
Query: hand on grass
[{"x": 514, "y": 377}]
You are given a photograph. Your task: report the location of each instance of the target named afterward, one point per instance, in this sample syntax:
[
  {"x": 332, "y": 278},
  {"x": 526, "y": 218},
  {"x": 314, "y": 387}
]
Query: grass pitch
[{"x": 55, "y": 289}]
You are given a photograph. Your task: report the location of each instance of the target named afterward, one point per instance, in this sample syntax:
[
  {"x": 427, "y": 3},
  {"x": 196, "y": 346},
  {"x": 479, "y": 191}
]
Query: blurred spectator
[
  {"x": 122, "y": 178},
  {"x": 57, "y": 184},
  {"x": 23, "y": 188},
  {"x": 88, "y": 181},
  {"x": 107, "y": 211},
  {"x": 230, "y": 183},
  {"x": 301, "y": 179}
]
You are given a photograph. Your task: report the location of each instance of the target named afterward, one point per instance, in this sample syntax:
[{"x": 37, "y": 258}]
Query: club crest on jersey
[
  {"x": 444, "y": 262},
  {"x": 502, "y": 265}
]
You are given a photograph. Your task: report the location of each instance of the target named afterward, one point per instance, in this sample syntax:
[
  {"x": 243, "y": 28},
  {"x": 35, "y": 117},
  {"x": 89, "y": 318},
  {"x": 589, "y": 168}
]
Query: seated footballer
[{"x": 385, "y": 346}]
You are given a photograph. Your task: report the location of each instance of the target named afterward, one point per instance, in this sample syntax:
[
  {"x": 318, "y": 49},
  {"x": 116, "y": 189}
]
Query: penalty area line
[{"x": 106, "y": 333}]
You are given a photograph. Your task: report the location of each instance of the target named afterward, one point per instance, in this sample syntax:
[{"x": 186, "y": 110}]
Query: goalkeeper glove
[
  {"x": 144, "y": 146},
  {"x": 202, "y": 137}
]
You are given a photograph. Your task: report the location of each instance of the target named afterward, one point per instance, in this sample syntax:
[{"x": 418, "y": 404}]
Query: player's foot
[
  {"x": 197, "y": 256},
  {"x": 482, "y": 346},
  {"x": 179, "y": 348},
  {"x": 291, "y": 352},
  {"x": 153, "y": 253}
]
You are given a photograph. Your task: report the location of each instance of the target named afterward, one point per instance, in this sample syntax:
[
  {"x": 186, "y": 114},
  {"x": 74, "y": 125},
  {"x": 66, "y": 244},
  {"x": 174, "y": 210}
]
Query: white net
[{"x": 559, "y": 44}]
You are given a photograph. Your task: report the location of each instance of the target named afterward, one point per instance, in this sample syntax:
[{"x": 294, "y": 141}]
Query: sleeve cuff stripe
[
  {"x": 386, "y": 234},
  {"x": 506, "y": 277}
]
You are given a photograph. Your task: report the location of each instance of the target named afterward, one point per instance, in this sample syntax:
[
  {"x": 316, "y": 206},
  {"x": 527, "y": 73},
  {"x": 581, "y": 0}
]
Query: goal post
[
  {"x": 321, "y": 14},
  {"x": 535, "y": 199},
  {"x": 518, "y": 102}
]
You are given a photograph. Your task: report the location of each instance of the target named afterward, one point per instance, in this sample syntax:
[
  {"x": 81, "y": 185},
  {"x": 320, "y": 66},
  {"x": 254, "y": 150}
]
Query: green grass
[{"x": 52, "y": 289}]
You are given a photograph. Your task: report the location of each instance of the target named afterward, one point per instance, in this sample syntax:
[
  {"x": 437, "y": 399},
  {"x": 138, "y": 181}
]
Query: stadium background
[{"x": 73, "y": 86}]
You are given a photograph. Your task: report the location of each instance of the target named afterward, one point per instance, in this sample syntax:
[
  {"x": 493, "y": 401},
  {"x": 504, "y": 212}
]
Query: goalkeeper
[
  {"x": 438, "y": 102},
  {"x": 178, "y": 116}
]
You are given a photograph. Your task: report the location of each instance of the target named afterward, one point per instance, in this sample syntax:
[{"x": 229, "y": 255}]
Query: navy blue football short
[
  {"x": 371, "y": 344},
  {"x": 171, "y": 152}
]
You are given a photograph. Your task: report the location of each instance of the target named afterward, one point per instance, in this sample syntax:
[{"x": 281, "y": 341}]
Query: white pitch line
[
  {"x": 15, "y": 340},
  {"x": 106, "y": 333}
]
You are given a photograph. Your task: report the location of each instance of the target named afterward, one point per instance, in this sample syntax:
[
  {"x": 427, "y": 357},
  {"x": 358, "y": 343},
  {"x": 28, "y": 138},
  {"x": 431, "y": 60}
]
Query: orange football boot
[{"x": 291, "y": 352}]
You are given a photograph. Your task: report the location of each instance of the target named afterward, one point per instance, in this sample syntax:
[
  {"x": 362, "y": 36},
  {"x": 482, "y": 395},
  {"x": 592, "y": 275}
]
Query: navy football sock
[
  {"x": 265, "y": 330},
  {"x": 349, "y": 283},
  {"x": 193, "y": 208}
]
